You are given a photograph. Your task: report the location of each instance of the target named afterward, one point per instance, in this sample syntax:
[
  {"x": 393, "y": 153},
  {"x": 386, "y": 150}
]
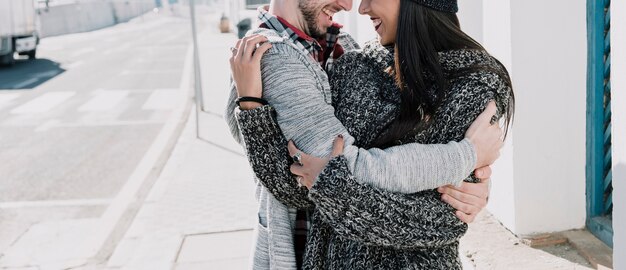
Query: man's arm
[{"x": 304, "y": 115}]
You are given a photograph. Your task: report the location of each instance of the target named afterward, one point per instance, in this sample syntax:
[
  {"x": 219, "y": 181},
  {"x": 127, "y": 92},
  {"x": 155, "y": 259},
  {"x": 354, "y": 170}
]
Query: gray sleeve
[
  {"x": 306, "y": 117},
  {"x": 266, "y": 149}
]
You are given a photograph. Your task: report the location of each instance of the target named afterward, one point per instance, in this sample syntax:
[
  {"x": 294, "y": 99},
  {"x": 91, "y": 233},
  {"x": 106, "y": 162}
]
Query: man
[{"x": 305, "y": 42}]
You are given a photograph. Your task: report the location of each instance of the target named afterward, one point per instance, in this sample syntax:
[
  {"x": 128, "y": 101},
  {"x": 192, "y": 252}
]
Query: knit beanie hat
[{"x": 449, "y": 6}]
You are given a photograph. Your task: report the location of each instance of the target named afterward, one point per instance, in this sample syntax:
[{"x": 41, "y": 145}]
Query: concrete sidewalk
[
  {"x": 199, "y": 215},
  {"x": 201, "y": 211},
  {"x": 489, "y": 245}
]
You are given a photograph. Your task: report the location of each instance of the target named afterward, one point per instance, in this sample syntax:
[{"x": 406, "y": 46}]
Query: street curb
[{"x": 118, "y": 217}]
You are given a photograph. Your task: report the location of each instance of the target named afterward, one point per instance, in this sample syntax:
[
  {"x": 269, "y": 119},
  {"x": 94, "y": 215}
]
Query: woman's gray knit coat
[
  {"x": 355, "y": 226},
  {"x": 406, "y": 168}
]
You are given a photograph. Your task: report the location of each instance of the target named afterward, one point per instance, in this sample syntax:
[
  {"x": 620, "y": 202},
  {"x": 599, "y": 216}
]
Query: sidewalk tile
[{"x": 216, "y": 247}]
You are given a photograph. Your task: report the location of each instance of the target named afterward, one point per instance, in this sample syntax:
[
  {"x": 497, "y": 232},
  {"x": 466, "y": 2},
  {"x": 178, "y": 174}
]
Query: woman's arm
[
  {"x": 268, "y": 156},
  {"x": 377, "y": 217}
]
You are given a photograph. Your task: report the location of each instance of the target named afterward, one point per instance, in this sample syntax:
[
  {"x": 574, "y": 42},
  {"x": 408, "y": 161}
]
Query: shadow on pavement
[{"x": 28, "y": 74}]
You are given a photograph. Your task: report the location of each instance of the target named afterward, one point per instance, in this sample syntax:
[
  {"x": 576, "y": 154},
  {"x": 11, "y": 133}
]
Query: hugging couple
[{"x": 373, "y": 157}]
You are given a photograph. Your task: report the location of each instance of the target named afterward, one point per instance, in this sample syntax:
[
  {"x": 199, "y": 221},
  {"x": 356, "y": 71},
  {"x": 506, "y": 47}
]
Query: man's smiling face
[{"x": 318, "y": 14}]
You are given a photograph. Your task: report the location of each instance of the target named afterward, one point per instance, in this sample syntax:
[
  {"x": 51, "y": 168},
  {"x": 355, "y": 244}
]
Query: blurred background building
[{"x": 60, "y": 17}]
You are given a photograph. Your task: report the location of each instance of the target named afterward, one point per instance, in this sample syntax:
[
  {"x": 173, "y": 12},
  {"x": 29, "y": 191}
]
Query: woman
[{"x": 436, "y": 80}]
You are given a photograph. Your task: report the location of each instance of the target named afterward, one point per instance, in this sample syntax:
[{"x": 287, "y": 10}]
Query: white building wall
[
  {"x": 497, "y": 30},
  {"x": 496, "y": 38},
  {"x": 618, "y": 87},
  {"x": 489, "y": 22},
  {"x": 539, "y": 183},
  {"x": 549, "y": 63},
  {"x": 471, "y": 18}
]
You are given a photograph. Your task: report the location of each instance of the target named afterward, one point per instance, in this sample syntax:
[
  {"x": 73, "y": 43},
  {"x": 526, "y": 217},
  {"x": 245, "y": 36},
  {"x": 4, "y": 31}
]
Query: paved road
[{"x": 75, "y": 123}]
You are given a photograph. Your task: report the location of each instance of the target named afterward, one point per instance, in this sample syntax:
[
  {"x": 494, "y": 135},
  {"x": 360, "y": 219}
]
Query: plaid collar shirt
[{"x": 324, "y": 51}]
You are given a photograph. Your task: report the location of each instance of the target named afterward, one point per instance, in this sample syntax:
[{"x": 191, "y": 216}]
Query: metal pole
[{"x": 196, "y": 66}]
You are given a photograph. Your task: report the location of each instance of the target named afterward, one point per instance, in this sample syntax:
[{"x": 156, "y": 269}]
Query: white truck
[{"x": 18, "y": 30}]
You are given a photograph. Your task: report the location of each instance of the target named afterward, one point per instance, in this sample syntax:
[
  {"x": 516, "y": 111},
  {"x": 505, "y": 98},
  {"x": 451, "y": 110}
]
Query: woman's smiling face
[{"x": 384, "y": 16}]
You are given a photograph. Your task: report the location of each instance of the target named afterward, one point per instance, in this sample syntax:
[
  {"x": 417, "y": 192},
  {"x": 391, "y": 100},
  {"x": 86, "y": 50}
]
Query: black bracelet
[{"x": 253, "y": 99}]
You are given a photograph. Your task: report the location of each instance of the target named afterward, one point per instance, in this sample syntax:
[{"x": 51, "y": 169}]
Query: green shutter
[{"x": 598, "y": 171}]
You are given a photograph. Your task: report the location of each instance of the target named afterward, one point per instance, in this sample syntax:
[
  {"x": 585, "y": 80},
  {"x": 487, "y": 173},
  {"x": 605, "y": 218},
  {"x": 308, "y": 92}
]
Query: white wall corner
[
  {"x": 502, "y": 194},
  {"x": 496, "y": 38},
  {"x": 539, "y": 185}
]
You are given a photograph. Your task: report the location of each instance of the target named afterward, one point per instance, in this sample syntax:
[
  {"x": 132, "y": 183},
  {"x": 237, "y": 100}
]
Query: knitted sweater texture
[
  {"x": 300, "y": 97},
  {"x": 342, "y": 240},
  {"x": 357, "y": 225}
]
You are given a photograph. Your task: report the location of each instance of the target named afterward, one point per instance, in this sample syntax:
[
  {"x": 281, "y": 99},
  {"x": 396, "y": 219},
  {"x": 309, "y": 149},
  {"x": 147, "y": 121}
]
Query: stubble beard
[{"x": 309, "y": 13}]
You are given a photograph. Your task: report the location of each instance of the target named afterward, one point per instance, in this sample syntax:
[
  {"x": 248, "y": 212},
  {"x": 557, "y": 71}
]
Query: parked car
[{"x": 18, "y": 30}]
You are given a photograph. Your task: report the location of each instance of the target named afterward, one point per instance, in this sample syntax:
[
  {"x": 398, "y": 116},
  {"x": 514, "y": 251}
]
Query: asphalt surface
[{"x": 75, "y": 122}]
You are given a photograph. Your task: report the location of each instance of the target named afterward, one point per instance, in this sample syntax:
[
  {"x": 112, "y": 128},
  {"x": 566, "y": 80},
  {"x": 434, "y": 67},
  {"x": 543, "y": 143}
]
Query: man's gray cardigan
[{"x": 298, "y": 91}]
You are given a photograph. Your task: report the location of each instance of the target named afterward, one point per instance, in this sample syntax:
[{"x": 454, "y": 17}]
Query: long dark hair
[{"x": 422, "y": 33}]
